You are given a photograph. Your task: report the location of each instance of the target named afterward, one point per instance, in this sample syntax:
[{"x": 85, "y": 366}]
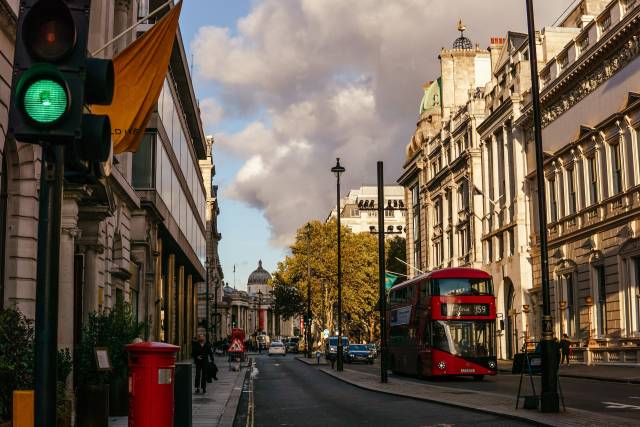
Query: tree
[
  {"x": 288, "y": 301},
  {"x": 396, "y": 257},
  {"x": 313, "y": 261}
]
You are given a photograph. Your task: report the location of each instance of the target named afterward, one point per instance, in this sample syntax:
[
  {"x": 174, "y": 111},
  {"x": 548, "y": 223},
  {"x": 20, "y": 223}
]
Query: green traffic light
[{"x": 45, "y": 101}]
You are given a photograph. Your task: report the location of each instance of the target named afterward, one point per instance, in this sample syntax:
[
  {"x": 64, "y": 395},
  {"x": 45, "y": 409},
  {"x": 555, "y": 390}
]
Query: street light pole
[
  {"x": 337, "y": 170},
  {"x": 549, "y": 401},
  {"x": 308, "y": 323},
  {"x": 215, "y": 312},
  {"x": 381, "y": 270}
]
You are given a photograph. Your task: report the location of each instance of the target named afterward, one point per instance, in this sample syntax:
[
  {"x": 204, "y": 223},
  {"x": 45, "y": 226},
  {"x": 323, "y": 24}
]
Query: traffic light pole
[
  {"x": 47, "y": 277},
  {"x": 381, "y": 270}
]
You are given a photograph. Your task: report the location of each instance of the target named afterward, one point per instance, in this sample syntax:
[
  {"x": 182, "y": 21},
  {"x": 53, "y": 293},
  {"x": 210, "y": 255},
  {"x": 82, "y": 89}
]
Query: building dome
[
  {"x": 462, "y": 42},
  {"x": 259, "y": 276}
]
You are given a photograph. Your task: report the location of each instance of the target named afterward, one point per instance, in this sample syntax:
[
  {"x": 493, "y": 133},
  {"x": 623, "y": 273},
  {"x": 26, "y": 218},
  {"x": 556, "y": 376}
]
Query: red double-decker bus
[{"x": 443, "y": 323}]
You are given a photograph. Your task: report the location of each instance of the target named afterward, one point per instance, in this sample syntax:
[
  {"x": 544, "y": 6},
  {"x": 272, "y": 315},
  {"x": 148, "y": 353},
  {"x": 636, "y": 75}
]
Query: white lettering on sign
[
  {"x": 400, "y": 316},
  {"x": 616, "y": 405}
]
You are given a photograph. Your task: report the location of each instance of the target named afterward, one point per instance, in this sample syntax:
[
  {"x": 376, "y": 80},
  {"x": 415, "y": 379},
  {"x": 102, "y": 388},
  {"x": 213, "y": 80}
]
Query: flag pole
[{"x": 123, "y": 33}]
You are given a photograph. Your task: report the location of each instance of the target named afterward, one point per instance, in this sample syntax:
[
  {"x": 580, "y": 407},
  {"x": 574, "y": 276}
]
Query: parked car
[
  {"x": 359, "y": 353},
  {"x": 276, "y": 347},
  {"x": 292, "y": 344},
  {"x": 331, "y": 348},
  {"x": 373, "y": 348}
]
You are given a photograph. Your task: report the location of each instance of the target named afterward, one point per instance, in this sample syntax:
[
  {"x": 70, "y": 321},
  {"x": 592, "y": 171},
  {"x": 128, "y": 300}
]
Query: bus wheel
[{"x": 478, "y": 377}]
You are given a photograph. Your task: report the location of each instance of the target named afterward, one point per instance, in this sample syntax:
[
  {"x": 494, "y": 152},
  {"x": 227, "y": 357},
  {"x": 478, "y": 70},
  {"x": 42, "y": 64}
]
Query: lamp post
[
  {"x": 206, "y": 316},
  {"x": 308, "y": 322},
  {"x": 382, "y": 303},
  {"x": 549, "y": 399},
  {"x": 337, "y": 170},
  {"x": 215, "y": 312}
]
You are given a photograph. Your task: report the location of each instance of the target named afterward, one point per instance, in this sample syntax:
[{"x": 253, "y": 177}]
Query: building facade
[
  {"x": 136, "y": 236},
  {"x": 591, "y": 130},
  {"x": 359, "y": 210},
  {"x": 442, "y": 173}
]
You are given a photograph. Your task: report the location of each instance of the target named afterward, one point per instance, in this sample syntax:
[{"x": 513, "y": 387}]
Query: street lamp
[
  {"x": 215, "y": 312},
  {"x": 549, "y": 399},
  {"x": 337, "y": 170},
  {"x": 381, "y": 270},
  {"x": 308, "y": 322}
]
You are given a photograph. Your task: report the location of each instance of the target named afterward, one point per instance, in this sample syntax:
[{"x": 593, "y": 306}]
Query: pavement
[
  {"x": 497, "y": 395},
  {"x": 218, "y": 406},
  {"x": 613, "y": 373},
  {"x": 289, "y": 393}
]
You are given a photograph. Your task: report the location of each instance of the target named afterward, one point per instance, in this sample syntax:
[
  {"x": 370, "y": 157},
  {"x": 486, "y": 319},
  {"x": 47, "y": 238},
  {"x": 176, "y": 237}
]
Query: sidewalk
[
  {"x": 218, "y": 406},
  {"x": 622, "y": 374},
  {"x": 470, "y": 399}
]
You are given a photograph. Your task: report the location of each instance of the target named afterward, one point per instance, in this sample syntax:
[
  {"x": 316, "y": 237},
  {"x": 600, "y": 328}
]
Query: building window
[
  {"x": 490, "y": 167},
  {"x": 568, "y": 294},
  {"x": 449, "y": 198},
  {"x": 450, "y": 243},
  {"x": 553, "y": 201},
  {"x": 634, "y": 288},
  {"x": 593, "y": 180},
  {"x": 389, "y": 213},
  {"x": 415, "y": 200},
  {"x": 583, "y": 44},
  {"x": 437, "y": 212},
  {"x": 512, "y": 242},
  {"x": 601, "y": 301},
  {"x": 463, "y": 241},
  {"x": 617, "y": 168},
  {"x": 501, "y": 246},
  {"x": 490, "y": 249},
  {"x": 355, "y": 212},
  {"x": 142, "y": 171},
  {"x": 571, "y": 191}
]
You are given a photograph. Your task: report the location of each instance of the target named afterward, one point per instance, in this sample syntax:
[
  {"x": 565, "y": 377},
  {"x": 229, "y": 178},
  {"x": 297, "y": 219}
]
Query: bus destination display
[{"x": 457, "y": 310}]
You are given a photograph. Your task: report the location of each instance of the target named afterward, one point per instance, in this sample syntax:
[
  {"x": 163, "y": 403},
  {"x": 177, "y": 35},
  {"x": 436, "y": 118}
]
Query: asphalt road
[
  {"x": 290, "y": 393},
  {"x": 619, "y": 399}
]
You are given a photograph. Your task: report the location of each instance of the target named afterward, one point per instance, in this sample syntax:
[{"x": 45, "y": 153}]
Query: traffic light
[{"x": 53, "y": 80}]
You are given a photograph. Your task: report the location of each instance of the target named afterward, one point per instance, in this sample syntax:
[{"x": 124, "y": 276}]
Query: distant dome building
[{"x": 259, "y": 281}]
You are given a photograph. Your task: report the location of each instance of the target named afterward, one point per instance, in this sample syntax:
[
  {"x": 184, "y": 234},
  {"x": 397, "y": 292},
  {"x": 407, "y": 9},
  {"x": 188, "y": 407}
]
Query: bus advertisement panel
[{"x": 443, "y": 323}]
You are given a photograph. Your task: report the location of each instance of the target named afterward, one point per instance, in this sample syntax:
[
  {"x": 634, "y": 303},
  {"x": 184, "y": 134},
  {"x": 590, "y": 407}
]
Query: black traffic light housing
[{"x": 53, "y": 80}]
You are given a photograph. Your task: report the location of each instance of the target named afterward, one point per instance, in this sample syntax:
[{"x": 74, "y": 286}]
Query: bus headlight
[
  {"x": 442, "y": 365},
  {"x": 492, "y": 364}
]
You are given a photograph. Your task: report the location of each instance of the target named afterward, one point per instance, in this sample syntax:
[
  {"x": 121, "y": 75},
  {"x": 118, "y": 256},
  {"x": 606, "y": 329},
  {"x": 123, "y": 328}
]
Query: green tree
[
  {"x": 396, "y": 257},
  {"x": 313, "y": 261},
  {"x": 288, "y": 301}
]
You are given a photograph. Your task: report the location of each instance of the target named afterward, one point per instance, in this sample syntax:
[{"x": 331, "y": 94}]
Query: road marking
[{"x": 616, "y": 405}]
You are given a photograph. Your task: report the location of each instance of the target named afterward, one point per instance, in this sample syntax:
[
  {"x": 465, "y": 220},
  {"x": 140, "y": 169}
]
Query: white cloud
[
  {"x": 332, "y": 78},
  {"x": 211, "y": 111}
]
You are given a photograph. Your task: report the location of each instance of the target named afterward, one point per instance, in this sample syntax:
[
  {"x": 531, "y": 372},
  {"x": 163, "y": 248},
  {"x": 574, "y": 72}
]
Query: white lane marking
[{"x": 616, "y": 405}]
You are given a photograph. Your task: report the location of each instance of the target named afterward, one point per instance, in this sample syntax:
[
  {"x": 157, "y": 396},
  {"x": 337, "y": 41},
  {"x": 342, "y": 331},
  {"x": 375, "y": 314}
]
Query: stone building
[
  {"x": 591, "y": 134},
  {"x": 136, "y": 236},
  {"x": 253, "y": 309},
  {"x": 212, "y": 262},
  {"x": 359, "y": 210},
  {"x": 442, "y": 174}
]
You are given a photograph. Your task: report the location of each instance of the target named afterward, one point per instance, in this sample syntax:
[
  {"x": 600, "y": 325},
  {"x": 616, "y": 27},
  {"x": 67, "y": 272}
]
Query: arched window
[{"x": 630, "y": 265}]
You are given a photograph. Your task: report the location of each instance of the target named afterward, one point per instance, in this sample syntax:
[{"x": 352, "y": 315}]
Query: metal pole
[
  {"x": 308, "y": 325},
  {"x": 206, "y": 317},
  {"x": 381, "y": 270},
  {"x": 47, "y": 278},
  {"x": 339, "y": 352},
  {"x": 549, "y": 396}
]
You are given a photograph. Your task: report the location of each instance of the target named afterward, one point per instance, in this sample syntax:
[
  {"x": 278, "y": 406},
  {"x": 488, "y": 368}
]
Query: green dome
[{"x": 431, "y": 98}]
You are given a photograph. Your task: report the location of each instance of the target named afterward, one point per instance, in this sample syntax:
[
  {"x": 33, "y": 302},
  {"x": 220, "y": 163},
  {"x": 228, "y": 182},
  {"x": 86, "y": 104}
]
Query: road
[
  {"x": 618, "y": 399},
  {"x": 290, "y": 393}
]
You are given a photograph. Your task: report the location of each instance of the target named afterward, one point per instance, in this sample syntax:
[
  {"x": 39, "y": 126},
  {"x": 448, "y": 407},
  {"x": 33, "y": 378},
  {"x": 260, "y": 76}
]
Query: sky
[{"x": 286, "y": 86}]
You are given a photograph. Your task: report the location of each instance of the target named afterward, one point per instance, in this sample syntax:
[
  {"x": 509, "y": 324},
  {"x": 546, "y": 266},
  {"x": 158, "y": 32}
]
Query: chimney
[{"x": 494, "y": 49}]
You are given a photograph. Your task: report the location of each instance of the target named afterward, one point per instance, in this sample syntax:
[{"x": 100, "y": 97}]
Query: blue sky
[{"x": 245, "y": 232}]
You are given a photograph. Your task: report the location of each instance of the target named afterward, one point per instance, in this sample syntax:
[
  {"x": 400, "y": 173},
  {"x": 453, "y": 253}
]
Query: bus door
[{"x": 423, "y": 332}]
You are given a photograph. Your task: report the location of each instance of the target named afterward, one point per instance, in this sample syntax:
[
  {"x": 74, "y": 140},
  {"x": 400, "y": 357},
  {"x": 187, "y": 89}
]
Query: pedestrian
[
  {"x": 201, "y": 353},
  {"x": 556, "y": 349},
  {"x": 318, "y": 356},
  {"x": 565, "y": 348}
]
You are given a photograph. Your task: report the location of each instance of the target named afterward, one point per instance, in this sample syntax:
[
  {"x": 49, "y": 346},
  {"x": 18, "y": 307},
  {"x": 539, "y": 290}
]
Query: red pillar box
[{"x": 151, "y": 370}]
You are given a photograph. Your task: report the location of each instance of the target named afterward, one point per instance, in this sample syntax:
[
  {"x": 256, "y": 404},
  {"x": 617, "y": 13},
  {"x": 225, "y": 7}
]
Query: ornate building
[
  {"x": 442, "y": 173},
  {"x": 591, "y": 132},
  {"x": 253, "y": 310},
  {"x": 359, "y": 210}
]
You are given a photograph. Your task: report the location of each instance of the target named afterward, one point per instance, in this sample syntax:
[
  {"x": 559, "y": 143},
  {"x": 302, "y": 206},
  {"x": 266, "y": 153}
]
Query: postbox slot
[{"x": 164, "y": 376}]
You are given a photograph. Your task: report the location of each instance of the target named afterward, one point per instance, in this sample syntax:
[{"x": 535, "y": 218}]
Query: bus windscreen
[
  {"x": 466, "y": 338},
  {"x": 459, "y": 287}
]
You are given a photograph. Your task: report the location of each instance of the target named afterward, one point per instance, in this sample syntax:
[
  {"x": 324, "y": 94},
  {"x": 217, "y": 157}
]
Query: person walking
[
  {"x": 565, "y": 348},
  {"x": 201, "y": 353}
]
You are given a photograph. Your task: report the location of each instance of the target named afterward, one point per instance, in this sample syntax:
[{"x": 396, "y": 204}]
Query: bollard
[
  {"x": 23, "y": 408},
  {"x": 182, "y": 393}
]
